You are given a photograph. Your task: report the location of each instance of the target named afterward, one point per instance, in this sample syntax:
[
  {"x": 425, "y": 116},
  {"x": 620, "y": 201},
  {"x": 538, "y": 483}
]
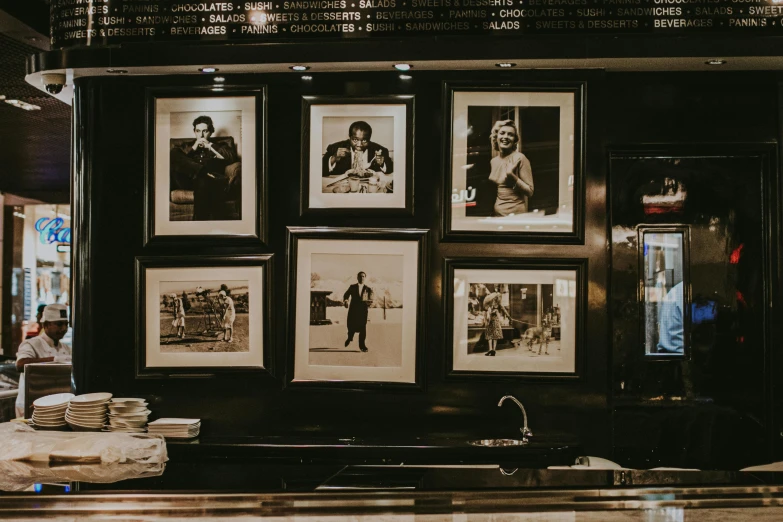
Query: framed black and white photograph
[
  {"x": 514, "y": 163},
  {"x": 520, "y": 319},
  {"x": 203, "y": 314},
  {"x": 357, "y": 305},
  {"x": 206, "y": 163},
  {"x": 358, "y": 154}
]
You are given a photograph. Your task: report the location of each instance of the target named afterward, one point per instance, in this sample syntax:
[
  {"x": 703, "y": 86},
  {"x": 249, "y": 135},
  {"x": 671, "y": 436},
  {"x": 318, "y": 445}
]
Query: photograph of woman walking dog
[{"x": 514, "y": 320}]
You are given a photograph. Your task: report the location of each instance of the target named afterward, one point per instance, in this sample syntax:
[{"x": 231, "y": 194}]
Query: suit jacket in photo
[
  {"x": 344, "y": 164},
  {"x": 358, "y": 309},
  {"x": 187, "y": 164}
]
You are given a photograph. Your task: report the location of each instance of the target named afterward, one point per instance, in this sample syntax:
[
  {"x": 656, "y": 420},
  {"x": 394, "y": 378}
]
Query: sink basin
[{"x": 493, "y": 443}]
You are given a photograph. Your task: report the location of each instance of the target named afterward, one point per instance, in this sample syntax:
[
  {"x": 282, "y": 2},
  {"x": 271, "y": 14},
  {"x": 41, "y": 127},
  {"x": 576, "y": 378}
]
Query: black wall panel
[
  {"x": 109, "y": 223},
  {"x": 712, "y": 409}
]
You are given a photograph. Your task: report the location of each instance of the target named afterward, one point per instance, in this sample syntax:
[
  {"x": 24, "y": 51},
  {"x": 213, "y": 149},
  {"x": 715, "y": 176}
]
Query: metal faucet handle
[{"x": 524, "y": 429}]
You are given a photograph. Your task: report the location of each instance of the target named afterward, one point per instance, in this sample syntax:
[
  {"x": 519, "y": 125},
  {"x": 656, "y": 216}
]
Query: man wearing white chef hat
[{"x": 44, "y": 348}]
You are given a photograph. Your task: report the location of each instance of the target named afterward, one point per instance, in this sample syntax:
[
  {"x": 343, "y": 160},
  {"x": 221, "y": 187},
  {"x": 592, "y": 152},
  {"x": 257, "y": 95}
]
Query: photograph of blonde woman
[
  {"x": 510, "y": 170},
  {"x": 512, "y": 163}
]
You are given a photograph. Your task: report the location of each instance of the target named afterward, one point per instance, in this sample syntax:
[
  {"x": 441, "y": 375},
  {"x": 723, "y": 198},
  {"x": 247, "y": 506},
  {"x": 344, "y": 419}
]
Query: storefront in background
[{"x": 36, "y": 267}]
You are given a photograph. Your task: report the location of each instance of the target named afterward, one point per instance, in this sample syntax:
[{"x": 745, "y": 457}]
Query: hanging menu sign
[{"x": 108, "y": 22}]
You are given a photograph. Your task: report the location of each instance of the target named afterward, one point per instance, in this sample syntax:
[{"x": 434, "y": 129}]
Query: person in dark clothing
[
  {"x": 357, "y": 153},
  {"x": 200, "y": 166},
  {"x": 357, "y": 299}
]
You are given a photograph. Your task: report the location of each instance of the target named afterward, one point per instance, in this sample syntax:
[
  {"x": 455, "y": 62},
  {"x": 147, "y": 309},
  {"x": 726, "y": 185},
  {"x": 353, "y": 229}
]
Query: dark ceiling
[
  {"x": 34, "y": 145},
  {"x": 33, "y": 13}
]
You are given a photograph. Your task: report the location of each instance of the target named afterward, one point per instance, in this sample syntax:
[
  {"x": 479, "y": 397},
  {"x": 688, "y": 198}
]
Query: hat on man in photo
[
  {"x": 222, "y": 293},
  {"x": 55, "y": 312}
]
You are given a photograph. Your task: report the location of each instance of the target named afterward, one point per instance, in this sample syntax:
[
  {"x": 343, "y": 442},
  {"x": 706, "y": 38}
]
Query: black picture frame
[
  {"x": 145, "y": 263},
  {"x": 418, "y": 236},
  {"x": 577, "y": 265},
  {"x": 577, "y": 188},
  {"x": 259, "y": 197},
  {"x": 308, "y": 160}
]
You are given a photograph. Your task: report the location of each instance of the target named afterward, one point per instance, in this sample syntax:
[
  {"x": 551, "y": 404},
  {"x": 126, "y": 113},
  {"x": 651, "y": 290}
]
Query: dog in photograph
[{"x": 538, "y": 334}]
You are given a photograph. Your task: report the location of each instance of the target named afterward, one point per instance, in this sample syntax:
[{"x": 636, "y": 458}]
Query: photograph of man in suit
[
  {"x": 200, "y": 166},
  {"x": 357, "y": 153},
  {"x": 357, "y": 299}
]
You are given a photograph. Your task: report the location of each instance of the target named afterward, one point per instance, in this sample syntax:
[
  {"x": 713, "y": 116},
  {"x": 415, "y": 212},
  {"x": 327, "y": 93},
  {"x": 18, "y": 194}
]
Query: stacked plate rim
[
  {"x": 49, "y": 411},
  {"x": 174, "y": 428},
  {"x": 88, "y": 412},
  {"x": 127, "y": 415}
]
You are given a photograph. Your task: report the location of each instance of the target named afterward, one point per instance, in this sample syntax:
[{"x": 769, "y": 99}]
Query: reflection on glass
[{"x": 664, "y": 303}]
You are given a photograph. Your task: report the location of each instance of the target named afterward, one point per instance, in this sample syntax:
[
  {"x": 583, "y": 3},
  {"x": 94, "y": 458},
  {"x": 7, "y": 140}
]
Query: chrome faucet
[{"x": 524, "y": 429}]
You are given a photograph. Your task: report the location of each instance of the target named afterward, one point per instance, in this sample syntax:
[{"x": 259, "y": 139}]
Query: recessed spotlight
[
  {"x": 405, "y": 77},
  {"x": 505, "y": 65},
  {"x": 307, "y": 77},
  {"x": 218, "y": 79},
  {"x": 403, "y": 66},
  {"x": 716, "y": 61},
  {"x": 116, "y": 71},
  {"x": 208, "y": 69},
  {"x": 299, "y": 67}
]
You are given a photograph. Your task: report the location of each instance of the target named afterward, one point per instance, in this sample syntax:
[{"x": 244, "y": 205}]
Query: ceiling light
[
  {"x": 715, "y": 61},
  {"x": 299, "y": 67},
  {"x": 208, "y": 70},
  {"x": 403, "y": 66},
  {"x": 217, "y": 89},
  {"x": 505, "y": 65},
  {"x": 405, "y": 77},
  {"x": 23, "y": 105},
  {"x": 307, "y": 77},
  {"x": 218, "y": 79},
  {"x": 116, "y": 71}
]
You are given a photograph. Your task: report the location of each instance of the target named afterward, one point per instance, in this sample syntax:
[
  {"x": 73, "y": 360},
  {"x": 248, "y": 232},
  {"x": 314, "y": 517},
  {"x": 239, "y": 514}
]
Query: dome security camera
[{"x": 54, "y": 82}]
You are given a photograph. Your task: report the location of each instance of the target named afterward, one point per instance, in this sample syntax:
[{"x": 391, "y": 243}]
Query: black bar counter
[
  {"x": 760, "y": 503},
  {"x": 345, "y": 479},
  {"x": 539, "y": 452}
]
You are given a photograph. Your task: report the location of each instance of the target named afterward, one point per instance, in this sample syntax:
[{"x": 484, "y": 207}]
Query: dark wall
[
  {"x": 712, "y": 408},
  {"x": 109, "y": 224}
]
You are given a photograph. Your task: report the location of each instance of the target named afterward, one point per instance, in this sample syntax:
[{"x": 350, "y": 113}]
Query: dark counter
[
  {"x": 539, "y": 453},
  {"x": 759, "y": 503}
]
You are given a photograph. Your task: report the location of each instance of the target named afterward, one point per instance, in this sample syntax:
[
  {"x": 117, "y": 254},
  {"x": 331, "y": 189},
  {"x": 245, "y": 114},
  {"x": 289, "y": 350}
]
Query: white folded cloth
[{"x": 176, "y": 428}]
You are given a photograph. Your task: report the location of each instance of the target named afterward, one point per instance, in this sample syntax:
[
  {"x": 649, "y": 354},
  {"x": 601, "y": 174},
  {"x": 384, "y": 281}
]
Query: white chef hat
[{"x": 55, "y": 312}]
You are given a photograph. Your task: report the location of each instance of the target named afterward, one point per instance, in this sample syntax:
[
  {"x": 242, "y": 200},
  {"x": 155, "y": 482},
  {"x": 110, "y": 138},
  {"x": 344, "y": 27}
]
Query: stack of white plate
[
  {"x": 49, "y": 412},
  {"x": 172, "y": 428},
  {"x": 128, "y": 415},
  {"x": 87, "y": 412}
]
